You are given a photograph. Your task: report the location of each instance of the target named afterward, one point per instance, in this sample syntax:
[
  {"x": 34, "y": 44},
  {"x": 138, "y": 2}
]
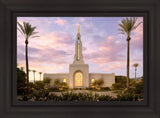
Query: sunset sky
[{"x": 104, "y": 49}]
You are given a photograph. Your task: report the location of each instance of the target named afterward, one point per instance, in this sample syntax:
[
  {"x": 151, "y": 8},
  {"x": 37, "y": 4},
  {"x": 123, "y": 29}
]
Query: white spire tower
[{"x": 78, "y": 57}]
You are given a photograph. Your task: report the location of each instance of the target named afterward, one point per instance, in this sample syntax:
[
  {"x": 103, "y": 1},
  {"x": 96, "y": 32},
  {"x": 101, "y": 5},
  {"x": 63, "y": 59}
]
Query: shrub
[
  {"x": 37, "y": 94},
  {"x": 52, "y": 89},
  {"x": 98, "y": 83},
  {"x": 132, "y": 83},
  {"x": 139, "y": 88},
  {"x": 54, "y": 97},
  {"x": 106, "y": 88},
  {"x": 118, "y": 86},
  {"x": 46, "y": 81},
  {"x": 39, "y": 85},
  {"x": 21, "y": 78},
  {"x": 21, "y": 91},
  {"x": 121, "y": 79},
  {"x": 63, "y": 85},
  {"x": 59, "y": 84},
  {"x": 56, "y": 82},
  {"x": 43, "y": 95},
  {"x": 31, "y": 85},
  {"x": 105, "y": 98},
  {"x": 129, "y": 95}
]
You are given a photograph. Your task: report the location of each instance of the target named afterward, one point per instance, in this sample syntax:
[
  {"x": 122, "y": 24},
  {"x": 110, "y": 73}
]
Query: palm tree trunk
[
  {"x": 135, "y": 73},
  {"x": 40, "y": 77},
  {"x": 27, "y": 66},
  {"x": 34, "y": 77},
  {"x": 127, "y": 64}
]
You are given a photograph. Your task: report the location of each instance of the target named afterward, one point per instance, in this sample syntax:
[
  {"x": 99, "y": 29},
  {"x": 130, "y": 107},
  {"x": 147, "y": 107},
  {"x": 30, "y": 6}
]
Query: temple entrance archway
[{"x": 78, "y": 79}]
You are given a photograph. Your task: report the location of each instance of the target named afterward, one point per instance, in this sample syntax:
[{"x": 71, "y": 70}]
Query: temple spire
[{"x": 78, "y": 57}]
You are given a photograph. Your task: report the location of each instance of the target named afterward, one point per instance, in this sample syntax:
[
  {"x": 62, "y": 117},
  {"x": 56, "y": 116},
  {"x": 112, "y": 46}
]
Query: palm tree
[
  {"x": 126, "y": 27},
  {"x": 34, "y": 75},
  {"x": 40, "y": 75},
  {"x": 135, "y": 65},
  {"x": 28, "y": 32}
]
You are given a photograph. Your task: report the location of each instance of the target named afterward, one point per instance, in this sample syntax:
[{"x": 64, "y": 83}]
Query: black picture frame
[{"x": 10, "y": 9}]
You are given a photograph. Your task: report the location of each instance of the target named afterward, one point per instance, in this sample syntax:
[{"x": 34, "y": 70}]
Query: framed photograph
[
  {"x": 79, "y": 59},
  {"x": 102, "y": 79}
]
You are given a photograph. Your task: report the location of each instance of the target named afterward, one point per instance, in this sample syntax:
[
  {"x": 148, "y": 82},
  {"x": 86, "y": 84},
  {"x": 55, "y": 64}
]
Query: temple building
[{"x": 79, "y": 76}]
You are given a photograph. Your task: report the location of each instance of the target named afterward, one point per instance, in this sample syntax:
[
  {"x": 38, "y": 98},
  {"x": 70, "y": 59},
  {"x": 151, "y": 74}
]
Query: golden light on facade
[
  {"x": 78, "y": 51},
  {"x": 92, "y": 80},
  {"x": 78, "y": 79},
  {"x": 64, "y": 80}
]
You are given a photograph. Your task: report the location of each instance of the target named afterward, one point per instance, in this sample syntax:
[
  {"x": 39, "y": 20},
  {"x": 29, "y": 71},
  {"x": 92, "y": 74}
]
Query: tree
[
  {"x": 135, "y": 65},
  {"x": 98, "y": 83},
  {"x": 57, "y": 83},
  {"x": 63, "y": 84},
  {"x": 28, "y": 32},
  {"x": 139, "y": 88},
  {"x": 94, "y": 84},
  {"x": 121, "y": 80},
  {"x": 40, "y": 75},
  {"x": 126, "y": 27},
  {"x": 21, "y": 81},
  {"x": 31, "y": 85},
  {"x": 118, "y": 86},
  {"x": 21, "y": 78},
  {"x": 34, "y": 74},
  {"x": 132, "y": 83},
  {"x": 39, "y": 85},
  {"x": 47, "y": 80}
]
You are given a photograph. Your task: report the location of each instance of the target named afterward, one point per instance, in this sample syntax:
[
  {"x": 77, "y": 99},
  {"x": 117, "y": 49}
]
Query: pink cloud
[
  {"x": 48, "y": 48},
  {"x": 55, "y": 40},
  {"x": 82, "y": 19},
  {"x": 115, "y": 66},
  {"x": 59, "y": 21},
  {"x": 105, "y": 51}
]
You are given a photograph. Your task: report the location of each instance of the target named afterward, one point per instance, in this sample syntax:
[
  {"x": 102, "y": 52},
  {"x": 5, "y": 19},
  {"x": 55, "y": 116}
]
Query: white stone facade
[{"x": 79, "y": 76}]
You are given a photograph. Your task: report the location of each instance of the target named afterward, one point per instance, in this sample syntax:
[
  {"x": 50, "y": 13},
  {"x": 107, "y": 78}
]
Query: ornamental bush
[{"x": 118, "y": 86}]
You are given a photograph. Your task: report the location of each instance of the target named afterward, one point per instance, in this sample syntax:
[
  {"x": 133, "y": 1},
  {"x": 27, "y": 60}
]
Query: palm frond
[
  {"x": 21, "y": 29},
  {"x": 121, "y": 31},
  {"x": 27, "y": 30},
  {"x": 136, "y": 25},
  {"x": 34, "y": 36},
  {"x": 122, "y": 26},
  {"x": 127, "y": 25},
  {"x": 135, "y": 65}
]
